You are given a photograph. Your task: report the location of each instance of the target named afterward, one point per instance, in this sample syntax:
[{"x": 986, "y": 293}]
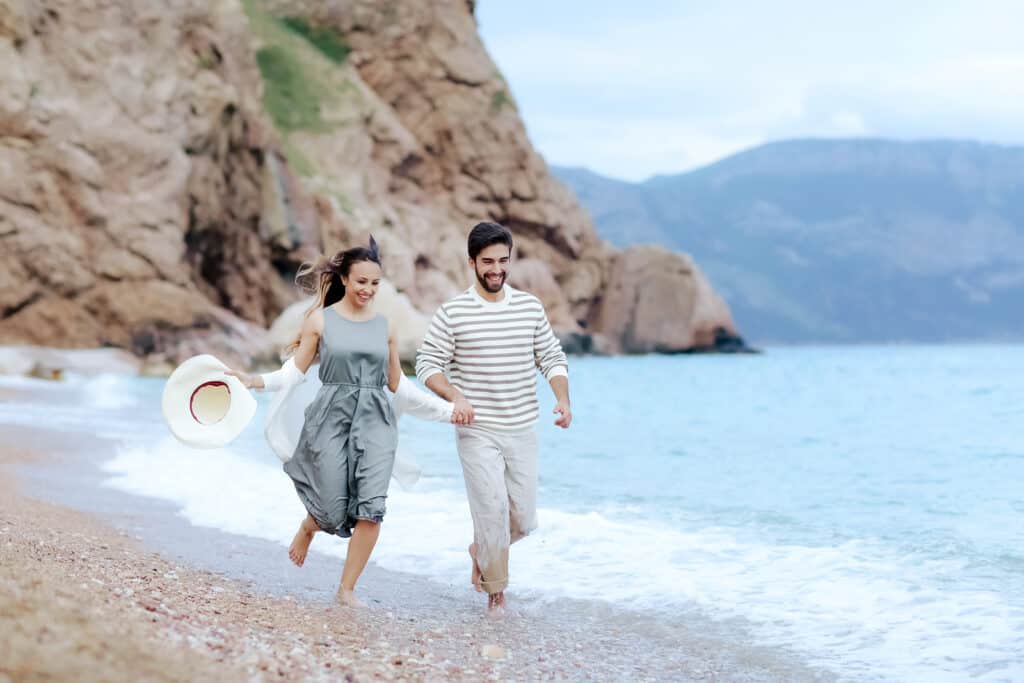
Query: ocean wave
[{"x": 857, "y": 605}]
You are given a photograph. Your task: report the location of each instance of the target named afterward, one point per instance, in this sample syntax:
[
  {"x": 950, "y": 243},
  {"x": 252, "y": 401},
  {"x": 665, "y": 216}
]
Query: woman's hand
[
  {"x": 462, "y": 411},
  {"x": 249, "y": 381}
]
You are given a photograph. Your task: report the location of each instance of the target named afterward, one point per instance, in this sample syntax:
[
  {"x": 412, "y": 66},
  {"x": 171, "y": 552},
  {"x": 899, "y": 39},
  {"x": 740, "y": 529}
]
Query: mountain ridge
[{"x": 858, "y": 240}]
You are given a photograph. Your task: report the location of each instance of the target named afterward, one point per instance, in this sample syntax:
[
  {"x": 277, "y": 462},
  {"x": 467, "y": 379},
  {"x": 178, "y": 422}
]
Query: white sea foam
[
  {"x": 99, "y": 404},
  {"x": 855, "y": 607}
]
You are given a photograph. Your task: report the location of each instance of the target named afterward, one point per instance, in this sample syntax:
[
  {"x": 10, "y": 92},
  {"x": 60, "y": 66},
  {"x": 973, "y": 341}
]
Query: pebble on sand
[{"x": 493, "y": 652}]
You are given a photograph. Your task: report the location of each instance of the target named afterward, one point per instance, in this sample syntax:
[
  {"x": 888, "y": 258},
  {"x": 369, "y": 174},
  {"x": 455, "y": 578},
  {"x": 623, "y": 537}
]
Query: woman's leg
[
  {"x": 303, "y": 537},
  {"x": 364, "y": 538}
]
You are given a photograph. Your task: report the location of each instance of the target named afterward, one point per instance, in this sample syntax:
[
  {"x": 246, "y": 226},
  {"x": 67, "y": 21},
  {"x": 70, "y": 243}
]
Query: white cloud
[
  {"x": 849, "y": 123},
  {"x": 633, "y": 90},
  {"x": 631, "y": 149},
  {"x": 560, "y": 60}
]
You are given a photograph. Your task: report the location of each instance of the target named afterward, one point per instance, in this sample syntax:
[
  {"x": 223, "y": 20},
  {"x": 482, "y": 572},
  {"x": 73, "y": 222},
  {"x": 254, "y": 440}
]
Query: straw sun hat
[{"x": 204, "y": 407}]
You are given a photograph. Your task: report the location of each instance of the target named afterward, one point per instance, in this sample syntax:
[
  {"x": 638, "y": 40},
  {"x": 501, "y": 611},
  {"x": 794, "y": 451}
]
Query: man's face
[{"x": 491, "y": 266}]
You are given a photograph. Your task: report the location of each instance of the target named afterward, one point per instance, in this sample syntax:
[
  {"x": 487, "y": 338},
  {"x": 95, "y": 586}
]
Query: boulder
[{"x": 659, "y": 301}]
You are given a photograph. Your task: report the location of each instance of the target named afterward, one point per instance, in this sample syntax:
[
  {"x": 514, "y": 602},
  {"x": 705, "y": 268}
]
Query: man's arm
[
  {"x": 440, "y": 385},
  {"x": 551, "y": 360},
  {"x": 560, "y": 385},
  {"x": 433, "y": 356}
]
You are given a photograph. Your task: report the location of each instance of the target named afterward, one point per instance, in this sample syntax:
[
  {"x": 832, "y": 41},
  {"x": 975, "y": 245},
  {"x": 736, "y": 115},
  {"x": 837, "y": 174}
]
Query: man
[{"x": 491, "y": 339}]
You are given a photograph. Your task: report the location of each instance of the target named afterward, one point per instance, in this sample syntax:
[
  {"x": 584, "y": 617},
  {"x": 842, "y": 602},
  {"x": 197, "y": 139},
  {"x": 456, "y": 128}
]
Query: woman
[{"x": 346, "y": 449}]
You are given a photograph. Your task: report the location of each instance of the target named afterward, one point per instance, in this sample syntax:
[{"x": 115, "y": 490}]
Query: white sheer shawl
[{"x": 293, "y": 391}]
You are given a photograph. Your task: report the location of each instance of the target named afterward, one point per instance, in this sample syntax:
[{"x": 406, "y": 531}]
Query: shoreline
[
  {"x": 241, "y": 600},
  {"x": 86, "y": 601}
]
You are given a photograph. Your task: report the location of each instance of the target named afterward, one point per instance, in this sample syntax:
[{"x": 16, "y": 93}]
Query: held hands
[
  {"x": 565, "y": 420},
  {"x": 462, "y": 411},
  {"x": 250, "y": 381}
]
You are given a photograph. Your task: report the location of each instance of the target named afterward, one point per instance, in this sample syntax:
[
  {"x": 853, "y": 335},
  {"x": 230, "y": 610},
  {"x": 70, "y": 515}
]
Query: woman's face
[{"x": 362, "y": 283}]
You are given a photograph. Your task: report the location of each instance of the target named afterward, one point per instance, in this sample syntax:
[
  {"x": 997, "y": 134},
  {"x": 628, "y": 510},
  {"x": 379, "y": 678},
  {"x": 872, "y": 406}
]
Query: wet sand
[{"x": 96, "y": 584}]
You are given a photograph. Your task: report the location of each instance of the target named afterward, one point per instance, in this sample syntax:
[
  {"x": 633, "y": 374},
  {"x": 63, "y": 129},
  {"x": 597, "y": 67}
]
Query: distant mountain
[{"x": 841, "y": 240}]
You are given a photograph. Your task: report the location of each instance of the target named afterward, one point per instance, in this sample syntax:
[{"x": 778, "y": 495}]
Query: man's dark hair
[{"x": 485, "y": 234}]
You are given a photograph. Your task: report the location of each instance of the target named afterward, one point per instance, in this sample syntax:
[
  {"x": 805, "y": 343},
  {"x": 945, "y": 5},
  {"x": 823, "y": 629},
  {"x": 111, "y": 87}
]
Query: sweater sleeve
[
  {"x": 437, "y": 349},
  {"x": 547, "y": 350}
]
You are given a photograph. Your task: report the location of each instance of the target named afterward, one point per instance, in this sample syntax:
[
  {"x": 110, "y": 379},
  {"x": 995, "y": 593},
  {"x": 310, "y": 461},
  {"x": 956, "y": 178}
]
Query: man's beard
[{"x": 488, "y": 287}]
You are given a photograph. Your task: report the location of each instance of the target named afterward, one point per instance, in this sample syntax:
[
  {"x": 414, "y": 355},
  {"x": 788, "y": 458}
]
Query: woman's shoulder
[
  {"x": 314, "y": 322},
  {"x": 385, "y": 324}
]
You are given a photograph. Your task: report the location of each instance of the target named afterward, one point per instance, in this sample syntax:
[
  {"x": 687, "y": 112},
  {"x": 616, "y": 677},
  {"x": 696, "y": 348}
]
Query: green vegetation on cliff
[
  {"x": 291, "y": 99},
  {"x": 325, "y": 39},
  {"x": 299, "y": 64}
]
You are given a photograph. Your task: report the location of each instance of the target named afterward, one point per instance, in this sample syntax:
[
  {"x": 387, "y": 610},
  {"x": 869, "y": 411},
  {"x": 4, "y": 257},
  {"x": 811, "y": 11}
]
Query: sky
[{"x": 633, "y": 89}]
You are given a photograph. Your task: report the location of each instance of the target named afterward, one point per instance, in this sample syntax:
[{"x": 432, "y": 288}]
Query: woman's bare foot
[
  {"x": 496, "y": 601},
  {"x": 303, "y": 537},
  {"x": 347, "y": 598},
  {"x": 475, "y": 576}
]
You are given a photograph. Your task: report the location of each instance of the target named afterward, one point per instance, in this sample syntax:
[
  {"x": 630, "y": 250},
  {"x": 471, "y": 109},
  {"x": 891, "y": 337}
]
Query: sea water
[{"x": 862, "y": 507}]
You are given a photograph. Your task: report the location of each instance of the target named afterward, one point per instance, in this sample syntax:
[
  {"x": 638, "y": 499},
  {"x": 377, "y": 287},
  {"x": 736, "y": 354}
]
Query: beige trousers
[{"x": 500, "y": 469}]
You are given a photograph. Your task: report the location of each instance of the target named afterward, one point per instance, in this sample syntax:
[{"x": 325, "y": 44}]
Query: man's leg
[
  {"x": 520, "y": 452},
  {"x": 483, "y": 468}
]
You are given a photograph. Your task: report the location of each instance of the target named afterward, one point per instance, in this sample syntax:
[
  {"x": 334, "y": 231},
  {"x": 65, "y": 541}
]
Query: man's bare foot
[
  {"x": 496, "y": 601},
  {"x": 303, "y": 537},
  {"x": 475, "y": 576},
  {"x": 347, "y": 598}
]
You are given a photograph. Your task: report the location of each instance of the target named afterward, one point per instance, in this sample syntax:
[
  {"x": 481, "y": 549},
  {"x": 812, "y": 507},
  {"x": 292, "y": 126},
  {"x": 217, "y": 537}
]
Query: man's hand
[
  {"x": 462, "y": 411},
  {"x": 562, "y": 407}
]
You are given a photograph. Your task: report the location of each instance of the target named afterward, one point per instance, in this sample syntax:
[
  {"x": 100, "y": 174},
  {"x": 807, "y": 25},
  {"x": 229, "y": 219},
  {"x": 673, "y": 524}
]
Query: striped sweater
[{"x": 491, "y": 352}]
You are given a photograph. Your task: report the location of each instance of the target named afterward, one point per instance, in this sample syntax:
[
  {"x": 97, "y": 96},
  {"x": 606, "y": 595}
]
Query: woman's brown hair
[{"x": 322, "y": 279}]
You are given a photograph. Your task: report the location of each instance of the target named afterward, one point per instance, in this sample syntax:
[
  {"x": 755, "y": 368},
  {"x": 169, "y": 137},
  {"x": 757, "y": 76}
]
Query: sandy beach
[
  {"x": 102, "y": 585},
  {"x": 83, "y": 601}
]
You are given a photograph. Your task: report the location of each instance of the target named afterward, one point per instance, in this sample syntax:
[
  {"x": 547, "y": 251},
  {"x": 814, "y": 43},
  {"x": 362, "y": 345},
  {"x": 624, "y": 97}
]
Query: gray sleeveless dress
[{"x": 346, "y": 451}]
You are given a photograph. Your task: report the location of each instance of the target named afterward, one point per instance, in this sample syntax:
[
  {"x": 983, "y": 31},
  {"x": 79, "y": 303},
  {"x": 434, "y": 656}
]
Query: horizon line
[{"x": 782, "y": 141}]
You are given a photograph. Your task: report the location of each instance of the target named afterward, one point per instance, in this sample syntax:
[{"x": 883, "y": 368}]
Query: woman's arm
[
  {"x": 309, "y": 345},
  {"x": 394, "y": 364},
  {"x": 411, "y": 400},
  {"x": 309, "y": 340}
]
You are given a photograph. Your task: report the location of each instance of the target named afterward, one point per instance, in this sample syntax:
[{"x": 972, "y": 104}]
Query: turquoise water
[
  {"x": 862, "y": 507},
  {"x": 920, "y": 447},
  {"x": 865, "y": 504}
]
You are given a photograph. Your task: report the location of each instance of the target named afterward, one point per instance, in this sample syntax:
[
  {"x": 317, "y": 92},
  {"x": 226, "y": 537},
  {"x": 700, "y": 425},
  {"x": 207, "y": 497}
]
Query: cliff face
[
  {"x": 164, "y": 169},
  {"x": 421, "y": 135},
  {"x": 133, "y": 146}
]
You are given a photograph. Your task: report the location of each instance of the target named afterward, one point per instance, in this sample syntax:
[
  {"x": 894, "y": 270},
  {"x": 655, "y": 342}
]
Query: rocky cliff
[
  {"x": 133, "y": 155},
  {"x": 165, "y": 167}
]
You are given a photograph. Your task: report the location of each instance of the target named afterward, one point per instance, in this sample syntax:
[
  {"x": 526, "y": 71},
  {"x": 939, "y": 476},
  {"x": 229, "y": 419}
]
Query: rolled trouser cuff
[
  {"x": 498, "y": 567},
  {"x": 492, "y": 587}
]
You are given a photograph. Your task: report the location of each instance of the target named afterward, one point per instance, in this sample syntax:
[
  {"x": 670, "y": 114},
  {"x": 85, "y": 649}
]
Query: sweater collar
[{"x": 503, "y": 303}]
